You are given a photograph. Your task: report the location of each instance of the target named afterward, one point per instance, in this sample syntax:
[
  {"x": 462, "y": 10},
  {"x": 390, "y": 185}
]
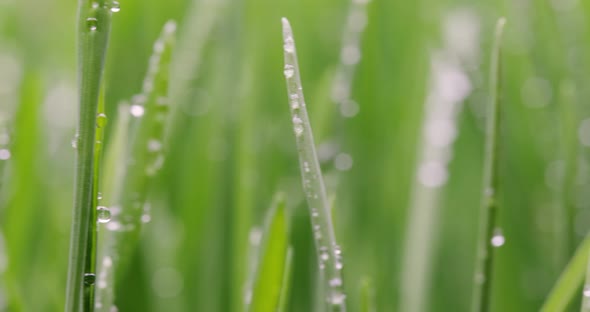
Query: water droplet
[
  {"x": 314, "y": 213},
  {"x": 433, "y": 174},
  {"x": 343, "y": 162},
  {"x": 306, "y": 166},
  {"x": 294, "y": 101},
  {"x": 89, "y": 278},
  {"x": 104, "y": 214},
  {"x": 586, "y": 291},
  {"x": 339, "y": 265},
  {"x": 289, "y": 71},
  {"x": 298, "y": 129},
  {"x": 92, "y": 23},
  {"x": 337, "y": 298},
  {"x": 145, "y": 218},
  {"x": 95, "y": 5},
  {"x": 289, "y": 45},
  {"x": 154, "y": 145},
  {"x": 349, "y": 108},
  {"x": 324, "y": 256},
  {"x": 75, "y": 141},
  {"x": 350, "y": 55},
  {"x": 101, "y": 120},
  {"x": 99, "y": 196},
  {"x": 115, "y": 7},
  {"x": 4, "y": 154},
  {"x": 137, "y": 110},
  {"x": 335, "y": 282},
  {"x": 498, "y": 238}
]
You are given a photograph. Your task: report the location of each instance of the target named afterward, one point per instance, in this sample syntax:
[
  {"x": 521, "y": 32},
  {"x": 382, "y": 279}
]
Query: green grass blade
[
  {"x": 286, "y": 283},
  {"x": 328, "y": 251},
  {"x": 94, "y": 22},
  {"x": 271, "y": 266},
  {"x": 91, "y": 245},
  {"x": 21, "y": 208},
  {"x": 367, "y": 296},
  {"x": 570, "y": 280},
  {"x": 141, "y": 148},
  {"x": 485, "y": 249}
]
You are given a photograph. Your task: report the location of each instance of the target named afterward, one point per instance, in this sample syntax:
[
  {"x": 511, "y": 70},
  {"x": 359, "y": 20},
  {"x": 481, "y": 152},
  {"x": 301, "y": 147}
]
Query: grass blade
[
  {"x": 328, "y": 251},
  {"x": 266, "y": 292},
  {"x": 143, "y": 159},
  {"x": 94, "y": 22},
  {"x": 286, "y": 287},
  {"x": 489, "y": 206},
  {"x": 570, "y": 280}
]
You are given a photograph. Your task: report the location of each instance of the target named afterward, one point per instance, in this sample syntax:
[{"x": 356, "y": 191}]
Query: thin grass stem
[
  {"x": 328, "y": 251},
  {"x": 489, "y": 206},
  {"x": 570, "y": 280},
  {"x": 94, "y": 23}
]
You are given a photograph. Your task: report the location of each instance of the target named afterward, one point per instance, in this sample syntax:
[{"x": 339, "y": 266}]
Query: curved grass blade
[
  {"x": 485, "y": 249},
  {"x": 141, "y": 161},
  {"x": 570, "y": 280},
  {"x": 268, "y": 282},
  {"x": 94, "y": 23},
  {"x": 328, "y": 251}
]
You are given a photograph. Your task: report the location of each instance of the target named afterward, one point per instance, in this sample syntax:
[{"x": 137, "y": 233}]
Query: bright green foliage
[
  {"x": 229, "y": 146},
  {"x": 273, "y": 261}
]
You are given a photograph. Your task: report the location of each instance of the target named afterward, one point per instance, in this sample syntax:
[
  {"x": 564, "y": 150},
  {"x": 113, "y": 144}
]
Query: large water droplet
[
  {"x": 498, "y": 238},
  {"x": 289, "y": 71},
  {"x": 586, "y": 291},
  {"x": 137, "y": 110},
  {"x": 92, "y": 23},
  {"x": 335, "y": 282},
  {"x": 115, "y": 7},
  {"x": 101, "y": 120},
  {"x": 324, "y": 256},
  {"x": 104, "y": 214},
  {"x": 89, "y": 278}
]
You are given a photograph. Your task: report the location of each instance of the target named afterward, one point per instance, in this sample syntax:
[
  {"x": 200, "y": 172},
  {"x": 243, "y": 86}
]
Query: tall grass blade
[
  {"x": 328, "y": 251},
  {"x": 485, "y": 249},
  {"x": 94, "y": 23},
  {"x": 286, "y": 283},
  {"x": 272, "y": 263},
  {"x": 142, "y": 159},
  {"x": 442, "y": 106},
  {"x": 570, "y": 280},
  {"x": 18, "y": 217}
]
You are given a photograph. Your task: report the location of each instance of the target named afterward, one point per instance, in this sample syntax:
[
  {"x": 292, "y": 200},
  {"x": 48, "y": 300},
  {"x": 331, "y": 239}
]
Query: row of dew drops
[{"x": 92, "y": 22}]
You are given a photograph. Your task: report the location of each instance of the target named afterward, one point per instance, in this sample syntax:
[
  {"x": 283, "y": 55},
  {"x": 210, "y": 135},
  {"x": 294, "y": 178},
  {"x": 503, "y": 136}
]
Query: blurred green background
[{"x": 232, "y": 148}]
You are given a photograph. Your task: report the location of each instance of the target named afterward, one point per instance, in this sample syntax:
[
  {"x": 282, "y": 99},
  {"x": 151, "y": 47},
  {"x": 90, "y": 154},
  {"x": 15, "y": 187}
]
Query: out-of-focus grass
[{"x": 231, "y": 148}]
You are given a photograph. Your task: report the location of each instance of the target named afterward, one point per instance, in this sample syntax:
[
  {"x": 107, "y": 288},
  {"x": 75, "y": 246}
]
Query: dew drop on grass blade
[
  {"x": 328, "y": 251},
  {"x": 489, "y": 235},
  {"x": 136, "y": 158}
]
